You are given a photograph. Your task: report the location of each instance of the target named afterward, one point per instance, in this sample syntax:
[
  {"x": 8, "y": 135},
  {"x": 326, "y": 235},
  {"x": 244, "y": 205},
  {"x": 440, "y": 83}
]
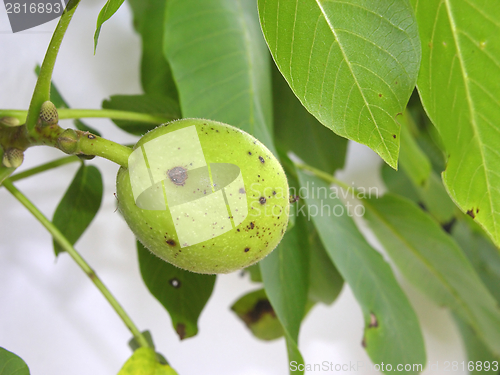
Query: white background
[{"x": 52, "y": 315}]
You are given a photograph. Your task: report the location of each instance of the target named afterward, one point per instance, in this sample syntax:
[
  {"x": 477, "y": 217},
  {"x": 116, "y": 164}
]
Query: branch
[
  {"x": 68, "y": 247},
  {"x": 42, "y": 88}
]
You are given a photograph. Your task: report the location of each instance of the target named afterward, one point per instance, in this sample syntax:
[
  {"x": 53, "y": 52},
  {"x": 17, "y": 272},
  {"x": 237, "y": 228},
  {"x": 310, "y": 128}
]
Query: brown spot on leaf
[
  {"x": 447, "y": 227},
  {"x": 373, "y": 321},
  {"x": 471, "y": 213},
  {"x": 252, "y": 225},
  {"x": 171, "y": 242},
  {"x": 175, "y": 282},
  {"x": 394, "y": 136},
  {"x": 262, "y": 159},
  {"x": 262, "y": 307},
  {"x": 247, "y": 249},
  {"x": 181, "y": 330},
  {"x": 363, "y": 342}
]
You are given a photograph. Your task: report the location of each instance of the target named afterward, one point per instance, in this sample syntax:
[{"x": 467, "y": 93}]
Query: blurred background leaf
[
  {"x": 11, "y": 364},
  {"x": 156, "y": 75},
  {"x": 255, "y": 310}
]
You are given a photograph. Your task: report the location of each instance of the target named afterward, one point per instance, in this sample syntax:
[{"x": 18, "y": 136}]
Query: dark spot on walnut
[
  {"x": 262, "y": 159},
  {"x": 171, "y": 242},
  {"x": 242, "y": 191},
  {"x": 91, "y": 136},
  {"x": 262, "y": 200},
  {"x": 247, "y": 249},
  {"x": 252, "y": 225},
  {"x": 249, "y": 153},
  {"x": 178, "y": 175}
]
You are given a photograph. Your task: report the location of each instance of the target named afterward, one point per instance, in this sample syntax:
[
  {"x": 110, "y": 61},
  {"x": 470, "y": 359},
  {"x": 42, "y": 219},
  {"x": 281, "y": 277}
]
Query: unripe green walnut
[{"x": 196, "y": 232}]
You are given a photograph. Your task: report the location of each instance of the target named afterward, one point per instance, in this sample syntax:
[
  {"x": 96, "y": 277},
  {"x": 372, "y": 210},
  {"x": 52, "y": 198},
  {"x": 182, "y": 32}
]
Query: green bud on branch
[
  {"x": 13, "y": 158},
  {"x": 10, "y": 122},
  {"x": 68, "y": 141},
  {"x": 48, "y": 114}
]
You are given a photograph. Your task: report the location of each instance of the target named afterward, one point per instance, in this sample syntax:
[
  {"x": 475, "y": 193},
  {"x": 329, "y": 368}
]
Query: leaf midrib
[
  {"x": 348, "y": 63},
  {"x": 472, "y": 111}
]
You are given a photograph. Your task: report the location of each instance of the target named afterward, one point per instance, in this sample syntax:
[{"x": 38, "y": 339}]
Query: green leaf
[
  {"x": 477, "y": 352},
  {"x": 254, "y": 271},
  {"x": 285, "y": 273},
  {"x": 220, "y": 63},
  {"x": 482, "y": 254},
  {"x": 143, "y": 362},
  {"x": 427, "y": 136},
  {"x": 434, "y": 263},
  {"x": 255, "y": 310},
  {"x": 353, "y": 65},
  {"x": 182, "y": 293},
  {"x": 11, "y": 364},
  {"x": 397, "y": 182},
  {"x": 432, "y": 197},
  {"x": 412, "y": 159},
  {"x": 79, "y": 205},
  {"x": 156, "y": 75},
  {"x": 325, "y": 282},
  {"x": 459, "y": 83},
  {"x": 153, "y": 104},
  {"x": 57, "y": 99},
  {"x": 298, "y": 131},
  {"x": 392, "y": 333},
  {"x": 105, "y": 14}
]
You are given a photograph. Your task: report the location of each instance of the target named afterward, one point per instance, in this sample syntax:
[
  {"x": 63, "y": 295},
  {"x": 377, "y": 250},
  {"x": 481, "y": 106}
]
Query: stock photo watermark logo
[
  {"x": 26, "y": 14},
  {"x": 170, "y": 173}
]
